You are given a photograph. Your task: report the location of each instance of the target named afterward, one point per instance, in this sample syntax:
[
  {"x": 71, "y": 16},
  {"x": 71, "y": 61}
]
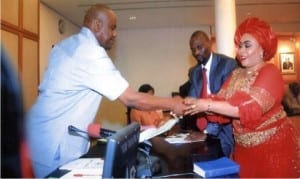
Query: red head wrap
[{"x": 262, "y": 32}]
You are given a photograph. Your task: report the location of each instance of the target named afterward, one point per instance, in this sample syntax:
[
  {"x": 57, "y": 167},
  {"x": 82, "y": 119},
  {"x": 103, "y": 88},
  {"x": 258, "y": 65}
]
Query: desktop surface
[{"x": 176, "y": 159}]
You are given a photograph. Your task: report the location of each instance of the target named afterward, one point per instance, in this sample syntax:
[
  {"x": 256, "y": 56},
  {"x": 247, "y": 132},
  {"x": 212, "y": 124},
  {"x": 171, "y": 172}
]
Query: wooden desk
[
  {"x": 175, "y": 158},
  {"x": 178, "y": 158}
]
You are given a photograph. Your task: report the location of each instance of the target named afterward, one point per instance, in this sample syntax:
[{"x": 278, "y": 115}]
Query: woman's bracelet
[{"x": 208, "y": 107}]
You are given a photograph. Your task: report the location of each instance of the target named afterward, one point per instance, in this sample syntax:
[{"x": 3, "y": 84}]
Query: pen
[{"x": 83, "y": 175}]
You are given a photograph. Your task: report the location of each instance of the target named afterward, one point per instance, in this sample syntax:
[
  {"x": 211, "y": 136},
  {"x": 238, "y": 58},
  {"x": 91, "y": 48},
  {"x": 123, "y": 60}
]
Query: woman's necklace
[
  {"x": 254, "y": 70},
  {"x": 251, "y": 74}
]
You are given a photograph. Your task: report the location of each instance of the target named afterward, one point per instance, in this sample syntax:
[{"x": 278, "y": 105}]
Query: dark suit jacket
[{"x": 221, "y": 68}]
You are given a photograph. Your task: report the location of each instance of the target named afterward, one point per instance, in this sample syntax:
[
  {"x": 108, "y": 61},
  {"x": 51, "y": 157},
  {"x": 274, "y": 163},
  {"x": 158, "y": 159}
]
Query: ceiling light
[{"x": 132, "y": 18}]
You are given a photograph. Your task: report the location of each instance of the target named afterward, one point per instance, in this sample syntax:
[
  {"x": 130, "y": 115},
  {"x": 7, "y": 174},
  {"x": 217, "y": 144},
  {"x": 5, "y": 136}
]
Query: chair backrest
[{"x": 128, "y": 115}]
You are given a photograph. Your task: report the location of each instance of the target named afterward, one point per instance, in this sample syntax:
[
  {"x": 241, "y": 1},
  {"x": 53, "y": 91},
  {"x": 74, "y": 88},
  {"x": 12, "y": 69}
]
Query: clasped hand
[
  {"x": 191, "y": 106},
  {"x": 196, "y": 105}
]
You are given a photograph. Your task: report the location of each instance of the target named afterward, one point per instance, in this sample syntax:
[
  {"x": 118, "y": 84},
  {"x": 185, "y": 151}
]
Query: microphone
[
  {"x": 94, "y": 131},
  {"x": 77, "y": 132}
]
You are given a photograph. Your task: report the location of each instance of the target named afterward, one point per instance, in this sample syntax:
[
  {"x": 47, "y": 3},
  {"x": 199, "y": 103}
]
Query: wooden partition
[{"x": 20, "y": 38}]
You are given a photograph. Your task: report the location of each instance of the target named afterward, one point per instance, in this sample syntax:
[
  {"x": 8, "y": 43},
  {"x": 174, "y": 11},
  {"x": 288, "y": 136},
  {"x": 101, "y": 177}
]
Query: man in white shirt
[{"x": 79, "y": 74}]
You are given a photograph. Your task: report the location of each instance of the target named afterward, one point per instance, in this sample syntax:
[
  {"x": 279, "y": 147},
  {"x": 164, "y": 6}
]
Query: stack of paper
[
  {"x": 216, "y": 168},
  {"x": 153, "y": 131}
]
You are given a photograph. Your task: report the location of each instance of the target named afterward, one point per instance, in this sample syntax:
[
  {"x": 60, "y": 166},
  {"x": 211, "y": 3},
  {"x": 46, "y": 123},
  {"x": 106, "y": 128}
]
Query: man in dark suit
[{"x": 218, "y": 67}]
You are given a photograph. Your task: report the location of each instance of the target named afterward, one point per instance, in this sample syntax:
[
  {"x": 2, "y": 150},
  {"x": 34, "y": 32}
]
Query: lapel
[
  {"x": 213, "y": 74},
  {"x": 196, "y": 80}
]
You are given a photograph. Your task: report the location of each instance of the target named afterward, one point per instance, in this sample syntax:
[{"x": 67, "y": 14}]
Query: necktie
[
  {"x": 202, "y": 121},
  {"x": 204, "y": 84}
]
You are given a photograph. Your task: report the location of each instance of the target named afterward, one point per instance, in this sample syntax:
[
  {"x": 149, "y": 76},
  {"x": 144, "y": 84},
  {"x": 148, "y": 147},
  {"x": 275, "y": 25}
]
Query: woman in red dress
[{"x": 266, "y": 142}]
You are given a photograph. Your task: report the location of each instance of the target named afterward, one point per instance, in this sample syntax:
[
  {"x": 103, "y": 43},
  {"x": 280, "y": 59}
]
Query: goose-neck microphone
[{"x": 94, "y": 130}]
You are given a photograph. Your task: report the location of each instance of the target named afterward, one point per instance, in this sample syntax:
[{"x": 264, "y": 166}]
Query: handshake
[{"x": 190, "y": 106}]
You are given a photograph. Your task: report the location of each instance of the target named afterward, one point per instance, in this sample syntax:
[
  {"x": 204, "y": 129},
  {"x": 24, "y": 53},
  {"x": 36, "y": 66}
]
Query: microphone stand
[{"x": 77, "y": 132}]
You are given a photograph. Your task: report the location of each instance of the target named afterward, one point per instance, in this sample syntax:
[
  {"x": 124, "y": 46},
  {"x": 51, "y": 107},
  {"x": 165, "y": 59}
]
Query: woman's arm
[{"x": 209, "y": 105}]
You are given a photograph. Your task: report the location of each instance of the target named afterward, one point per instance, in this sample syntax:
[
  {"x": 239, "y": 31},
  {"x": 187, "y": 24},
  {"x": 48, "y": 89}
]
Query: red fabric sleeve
[
  {"x": 249, "y": 111},
  {"x": 271, "y": 80},
  {"x": 218, "y": 118},
  {"x": 266, "y": 91}
]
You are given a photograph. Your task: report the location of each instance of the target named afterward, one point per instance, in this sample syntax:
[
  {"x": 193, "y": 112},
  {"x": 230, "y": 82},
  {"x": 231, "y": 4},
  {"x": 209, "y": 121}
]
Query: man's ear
[{"x": 97, "y": 25}]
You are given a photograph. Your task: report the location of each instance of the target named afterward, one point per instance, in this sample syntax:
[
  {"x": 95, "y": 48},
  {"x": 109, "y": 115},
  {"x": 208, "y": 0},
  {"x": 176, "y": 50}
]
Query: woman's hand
[{"x": 197, "y": 105}]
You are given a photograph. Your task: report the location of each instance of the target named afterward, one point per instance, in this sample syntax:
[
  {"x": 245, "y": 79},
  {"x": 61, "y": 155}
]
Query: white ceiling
[{"x": 162, "y": 13}]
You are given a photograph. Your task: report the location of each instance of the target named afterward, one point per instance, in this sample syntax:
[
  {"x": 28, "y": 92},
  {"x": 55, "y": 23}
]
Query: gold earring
[{"x": 261, "y": 55}]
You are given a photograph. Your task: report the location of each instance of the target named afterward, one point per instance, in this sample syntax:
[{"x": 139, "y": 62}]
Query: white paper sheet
[
  {"x": 154, "y": 131},
  {"x": 84, "y": 167},
  {"x": 181, "y": 138}
]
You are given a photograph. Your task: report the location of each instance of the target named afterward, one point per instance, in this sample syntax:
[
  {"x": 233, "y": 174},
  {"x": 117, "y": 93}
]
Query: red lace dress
[{"x": 266, "y": 142}]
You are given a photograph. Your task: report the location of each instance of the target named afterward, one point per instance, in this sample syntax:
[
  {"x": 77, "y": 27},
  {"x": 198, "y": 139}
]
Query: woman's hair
[
  {"x": 145, "y": 88},
  {"x": 262, "y": 32}
]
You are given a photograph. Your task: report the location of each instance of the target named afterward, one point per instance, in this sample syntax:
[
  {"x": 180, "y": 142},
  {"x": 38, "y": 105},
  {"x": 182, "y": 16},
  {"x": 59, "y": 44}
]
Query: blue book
[{"x": 214, "y": 168}]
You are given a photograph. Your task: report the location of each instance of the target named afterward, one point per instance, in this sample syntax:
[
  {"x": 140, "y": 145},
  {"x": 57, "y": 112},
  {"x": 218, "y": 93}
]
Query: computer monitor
[{"x": 121, "y": 150}]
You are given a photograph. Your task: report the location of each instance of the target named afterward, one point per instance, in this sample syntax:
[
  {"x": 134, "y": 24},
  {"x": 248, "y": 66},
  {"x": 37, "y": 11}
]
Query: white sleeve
[{"x": 103, "y": 77}]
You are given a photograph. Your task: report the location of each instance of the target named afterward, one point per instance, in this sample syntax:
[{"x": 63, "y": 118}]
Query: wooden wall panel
[
  {"x": 10, "y": 11},
  {"x": 20, "y": 37},
  {"x": 10, "y": 41},
  {"x": 30, "y": 17},
  {"x": 29, "y": 74}
]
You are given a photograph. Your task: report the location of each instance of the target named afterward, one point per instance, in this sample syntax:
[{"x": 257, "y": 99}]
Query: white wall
[
  {"x": 49, "y": 34},
  {"x": 159, "y": 56}
]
